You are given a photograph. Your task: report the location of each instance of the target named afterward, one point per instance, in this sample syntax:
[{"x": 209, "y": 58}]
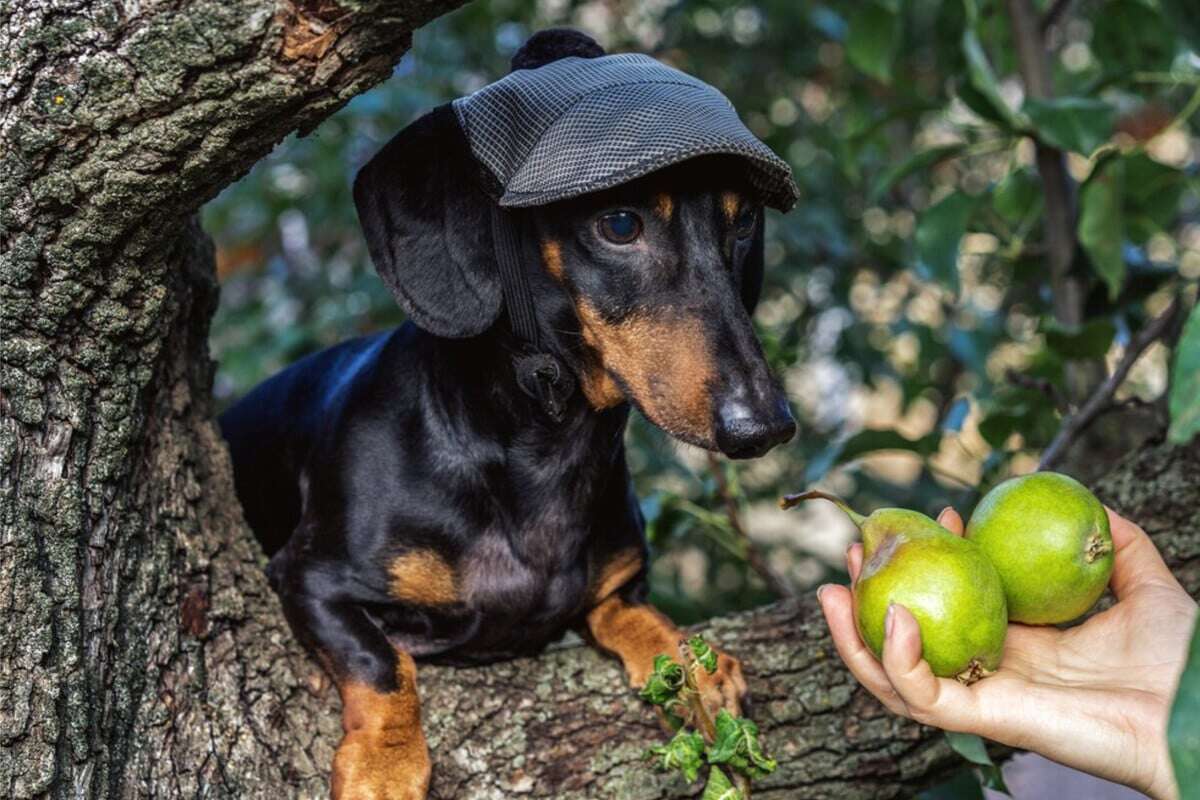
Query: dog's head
[{"x": 644, "y": 288}]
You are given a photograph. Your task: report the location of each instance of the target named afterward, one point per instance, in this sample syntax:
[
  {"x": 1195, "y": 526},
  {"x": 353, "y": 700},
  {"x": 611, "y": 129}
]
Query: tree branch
[
  {"x": 1099, "y": 402},
  {"x": 1034, "y": 65},
  {"x": 566, "y": 726}
]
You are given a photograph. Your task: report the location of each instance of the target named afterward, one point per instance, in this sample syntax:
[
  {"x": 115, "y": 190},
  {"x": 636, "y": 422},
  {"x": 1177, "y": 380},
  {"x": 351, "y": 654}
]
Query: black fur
[
  {"x": 553, "y": 44},
  {"x": 421, "y": 201}
]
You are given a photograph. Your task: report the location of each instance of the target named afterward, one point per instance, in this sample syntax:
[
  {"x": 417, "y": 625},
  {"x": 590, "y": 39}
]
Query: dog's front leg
[
  {"x": 382, "y": 755},
  {"x": 637, "y": 632}
]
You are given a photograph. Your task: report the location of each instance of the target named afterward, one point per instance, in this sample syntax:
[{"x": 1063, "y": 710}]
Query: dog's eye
[
  {"x": 744, "y": 224},
  {"x": 621, "y": 227}
]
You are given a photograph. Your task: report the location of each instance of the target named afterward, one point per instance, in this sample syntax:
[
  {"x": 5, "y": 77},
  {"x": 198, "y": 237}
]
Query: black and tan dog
[{"x": 419, "y": 505}]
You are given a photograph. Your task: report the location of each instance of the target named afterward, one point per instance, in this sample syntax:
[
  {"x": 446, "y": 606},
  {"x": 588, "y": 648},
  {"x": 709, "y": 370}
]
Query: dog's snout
[{"x": 746, "y": 430}]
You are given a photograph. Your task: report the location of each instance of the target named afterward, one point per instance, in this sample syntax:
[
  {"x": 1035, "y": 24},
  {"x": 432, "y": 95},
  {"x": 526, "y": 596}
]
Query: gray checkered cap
[{"x": 578, "y": 125}]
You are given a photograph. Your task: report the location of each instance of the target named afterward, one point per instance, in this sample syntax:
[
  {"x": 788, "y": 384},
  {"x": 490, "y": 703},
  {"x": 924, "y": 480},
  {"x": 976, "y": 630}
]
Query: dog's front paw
[
  {"x": 374, "y": 765},
  {"x": 725, "y": 688}
]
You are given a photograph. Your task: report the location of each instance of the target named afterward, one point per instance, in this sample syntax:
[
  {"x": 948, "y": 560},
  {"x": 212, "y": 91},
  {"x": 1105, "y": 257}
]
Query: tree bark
[{"x": 143, "y": 654}]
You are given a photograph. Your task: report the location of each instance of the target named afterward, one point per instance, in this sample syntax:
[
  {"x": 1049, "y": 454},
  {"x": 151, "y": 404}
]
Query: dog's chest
[{"x": 536, "y": 571}]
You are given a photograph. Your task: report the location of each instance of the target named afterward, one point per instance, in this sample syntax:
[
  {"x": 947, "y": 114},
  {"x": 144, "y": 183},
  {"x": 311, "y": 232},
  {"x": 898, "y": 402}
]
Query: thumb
[{"x": 1136, "y": 561}]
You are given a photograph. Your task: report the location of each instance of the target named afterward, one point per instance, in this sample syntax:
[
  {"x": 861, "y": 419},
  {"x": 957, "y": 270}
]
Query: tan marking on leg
[
  {"x": 638, "y": 633},
  {"x": 635, "y": 634},
  {"x": 423, "y": 577},
  {"x": 665, "y": 362},
  {"x": 664, "y": 206},
  {"x": 552, "y": 258},
  {"x": 730, "y": 203},
  {"x": 617, "y": 572},
  {"x": 383, "y": 753}
]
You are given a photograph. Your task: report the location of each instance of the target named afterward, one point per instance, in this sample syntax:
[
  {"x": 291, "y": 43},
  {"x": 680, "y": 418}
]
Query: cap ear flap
[
  {"x": 427, "y": 223},
  {"x": 752, "y": 266}
]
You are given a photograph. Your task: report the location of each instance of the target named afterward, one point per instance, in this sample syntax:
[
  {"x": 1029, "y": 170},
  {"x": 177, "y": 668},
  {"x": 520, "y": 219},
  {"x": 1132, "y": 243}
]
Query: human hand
[{"x": 1095, "y": 697}]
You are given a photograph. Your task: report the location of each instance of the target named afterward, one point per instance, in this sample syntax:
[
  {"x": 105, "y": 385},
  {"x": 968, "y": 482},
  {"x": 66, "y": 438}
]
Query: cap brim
[{"x": 613, "y": 136}]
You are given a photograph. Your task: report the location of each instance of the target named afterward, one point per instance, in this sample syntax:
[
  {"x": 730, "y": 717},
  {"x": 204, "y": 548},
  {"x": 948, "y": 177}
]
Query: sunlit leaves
[
  {"x": 1185, "y": 384},
  {"x": 1079, "y": 124},
  {"x": 874, "y": 39},
  {"x": 1100, "y": 223},
  {"x": 1183, "y": 732},
  {"x": 940, "y": 229}
]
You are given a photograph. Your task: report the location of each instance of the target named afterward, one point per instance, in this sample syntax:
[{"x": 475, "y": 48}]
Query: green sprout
[{"x": 728, "y": 740}]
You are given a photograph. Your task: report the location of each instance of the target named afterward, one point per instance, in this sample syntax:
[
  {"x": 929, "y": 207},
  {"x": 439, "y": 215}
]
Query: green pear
[
  {"x": 946, "y": 582},
  {"x": 1049, "y": 539}
]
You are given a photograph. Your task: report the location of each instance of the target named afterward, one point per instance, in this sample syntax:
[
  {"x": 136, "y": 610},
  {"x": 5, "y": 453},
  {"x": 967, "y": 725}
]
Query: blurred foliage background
[{"x": 911, "y": 305}]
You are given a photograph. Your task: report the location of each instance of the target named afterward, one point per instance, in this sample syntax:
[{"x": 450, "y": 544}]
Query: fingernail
[
  {"x": 820, "y": 589},
  {"x": 889, "y": 621},
  {"x": 943, "y": 513}
]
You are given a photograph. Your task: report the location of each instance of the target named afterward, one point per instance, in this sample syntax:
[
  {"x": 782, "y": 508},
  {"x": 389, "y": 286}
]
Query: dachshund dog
[{"x": 418, "y": 505}]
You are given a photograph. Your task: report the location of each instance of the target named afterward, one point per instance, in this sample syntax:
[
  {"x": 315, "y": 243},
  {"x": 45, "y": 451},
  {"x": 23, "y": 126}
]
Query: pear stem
[{"x": 795, "y": 499}]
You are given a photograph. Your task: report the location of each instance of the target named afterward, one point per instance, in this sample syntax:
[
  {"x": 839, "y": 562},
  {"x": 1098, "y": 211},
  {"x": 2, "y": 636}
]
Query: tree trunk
[{"x": 143, "y": 654}]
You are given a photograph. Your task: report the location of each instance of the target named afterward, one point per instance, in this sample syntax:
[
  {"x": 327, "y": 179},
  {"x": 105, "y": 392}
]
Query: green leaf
[
  {"x": 969, "y": 746},
  {"x": 939, "y": 232},
  {"x": 685, "y": 752},
  {"x": 973, "y": 749},
  {"x": 1100, "y": 223},
  {"x": 1018, "y": 197},
  {"x": 874, "y": 39},
  {"x": 1183, "y": 731},
  {"x": 984, "y": 94},
  {"x": 1129, "y": 35},
  {"x": 1089, "y": 341},
  {"x": 719, "y": 787},
  {"x": 1152, "y": 192},
  {"x": 963, "y": 786},
  {"x": 918, "y": 162},
  {"x": 1185, "y": 383},
  {"x": 1079, "y": 124},
  {"x": 737, "y": 745},
  {"x": 664, "y": 682},
  {"x": 1184, "y": 19},
  {"x": 705, "y": 655},
  {"x": 869, "y": 441}
]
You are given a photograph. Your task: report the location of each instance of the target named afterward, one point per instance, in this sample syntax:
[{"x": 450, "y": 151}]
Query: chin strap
[{"x": 539, "y": 374}]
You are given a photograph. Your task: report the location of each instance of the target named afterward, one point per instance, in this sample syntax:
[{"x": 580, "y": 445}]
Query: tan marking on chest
[
  {"x": 423, "y": 577},
  {"x": 617, "y": 572}
]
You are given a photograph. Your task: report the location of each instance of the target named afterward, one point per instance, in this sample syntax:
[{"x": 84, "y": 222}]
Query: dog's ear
[
  {"x": 427, "y": 221},
  {"x": 752, "y": 266}
]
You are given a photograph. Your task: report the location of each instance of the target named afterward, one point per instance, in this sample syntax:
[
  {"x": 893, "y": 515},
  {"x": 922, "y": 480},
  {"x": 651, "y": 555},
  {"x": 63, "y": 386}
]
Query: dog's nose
[{"x": 744, "y": 432}]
